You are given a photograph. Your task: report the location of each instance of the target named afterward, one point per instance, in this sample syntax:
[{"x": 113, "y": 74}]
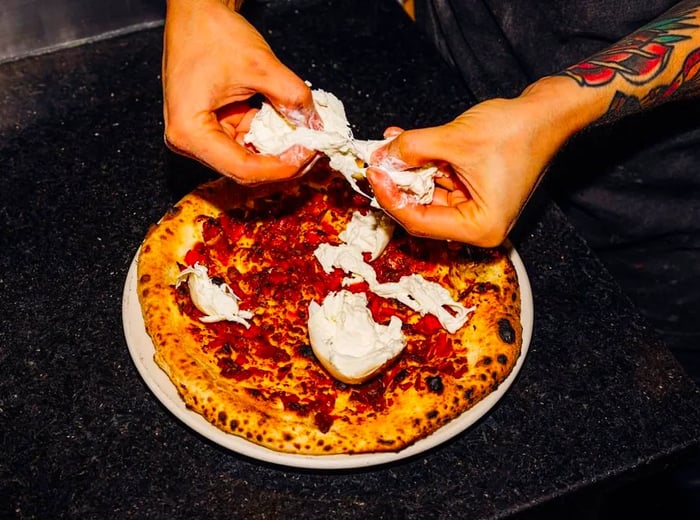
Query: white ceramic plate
[{"x": 142, "y": 350}]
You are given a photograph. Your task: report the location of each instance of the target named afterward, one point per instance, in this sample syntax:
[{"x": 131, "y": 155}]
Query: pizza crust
[{"x": 286, "y": 401}]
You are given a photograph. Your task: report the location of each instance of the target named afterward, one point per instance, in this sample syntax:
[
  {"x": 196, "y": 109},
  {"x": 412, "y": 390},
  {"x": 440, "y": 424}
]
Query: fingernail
[
  {"x": 309, "y": 119},
  {"x": 391, "y": 163}
]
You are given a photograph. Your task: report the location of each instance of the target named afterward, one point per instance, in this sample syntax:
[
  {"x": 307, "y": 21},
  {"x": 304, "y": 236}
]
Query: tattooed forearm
[
  {"x": 686, "y": 84},
  {"x": 651, "y": 66}
]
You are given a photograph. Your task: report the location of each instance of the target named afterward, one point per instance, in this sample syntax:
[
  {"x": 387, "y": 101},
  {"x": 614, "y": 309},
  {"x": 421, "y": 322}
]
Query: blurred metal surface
[{"x": 36, "y": 26}]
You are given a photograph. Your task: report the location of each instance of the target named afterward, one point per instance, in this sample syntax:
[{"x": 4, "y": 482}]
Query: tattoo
[
  {"x": 685, "y": 84},
  {"x": 638, "y": 58},
  {"x": 641, "y": 57}
]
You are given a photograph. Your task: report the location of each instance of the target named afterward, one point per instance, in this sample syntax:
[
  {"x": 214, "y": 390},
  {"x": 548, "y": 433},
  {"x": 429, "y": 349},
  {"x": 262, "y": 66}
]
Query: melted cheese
[
  {"x": 370, "y": 233},
  {"x": 426, "y": 297},
  {"x": 272, "y": 134},
  {"x": 421, "y": 295},
  {"x": 347, "y": 341},
  {"x": 216, "y": 302}
]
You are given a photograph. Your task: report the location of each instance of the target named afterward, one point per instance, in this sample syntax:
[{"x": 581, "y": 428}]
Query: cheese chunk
[
  {"x": 347, "y": 341},
  {"x": 427, "y": 297},
  {"x": 365, "y": 233},
  {"x": 370, "y": 233},
  {"x": 270, "y": 133},
  {"x": 347, "y": 258},
  {"x": 217, "y": 302}
]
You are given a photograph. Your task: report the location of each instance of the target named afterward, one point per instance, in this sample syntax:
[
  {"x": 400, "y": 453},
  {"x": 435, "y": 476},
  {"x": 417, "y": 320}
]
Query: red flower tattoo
[
  {"x": 638, "y": 58},
  {"x": 686, "y": 82}
]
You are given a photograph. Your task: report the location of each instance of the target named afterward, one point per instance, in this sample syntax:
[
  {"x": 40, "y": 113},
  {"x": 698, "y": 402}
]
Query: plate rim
[{"x": 141, "y": 350}]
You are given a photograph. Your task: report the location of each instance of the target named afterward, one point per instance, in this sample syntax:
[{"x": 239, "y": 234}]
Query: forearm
[{"x": 658, "y": 63}]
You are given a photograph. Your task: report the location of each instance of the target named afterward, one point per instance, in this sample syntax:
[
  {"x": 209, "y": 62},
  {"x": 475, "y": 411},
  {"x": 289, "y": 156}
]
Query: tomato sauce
[{"x": 274, "y": 240}]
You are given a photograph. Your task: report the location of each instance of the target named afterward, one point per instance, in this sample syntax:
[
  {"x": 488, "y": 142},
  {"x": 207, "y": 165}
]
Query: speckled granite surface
[{"x": 85, "y": 172}]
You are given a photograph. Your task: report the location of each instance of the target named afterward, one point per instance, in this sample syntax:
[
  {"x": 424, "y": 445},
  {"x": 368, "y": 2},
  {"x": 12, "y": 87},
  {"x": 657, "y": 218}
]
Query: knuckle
[
  {"x": 176, "y": 137},
  {"x": 416, "y": 230},
  {"x": 299, "y": 94},
  {"x": 491, "y": 236}
]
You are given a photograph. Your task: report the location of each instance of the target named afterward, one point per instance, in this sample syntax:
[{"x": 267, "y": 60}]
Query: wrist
[{"x": 566, "y": 106}]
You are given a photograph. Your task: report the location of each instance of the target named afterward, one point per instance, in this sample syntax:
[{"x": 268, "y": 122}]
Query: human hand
[
  {"x": 490, "y": 158},
  {"x": 213, "y": 62}
]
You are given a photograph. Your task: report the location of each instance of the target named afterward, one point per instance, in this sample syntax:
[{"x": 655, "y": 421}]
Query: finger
[
  {"x": 463, "y": 222},
  {"x": 420, "y": 146},
  {"x": 446, "y": 182},
  {"x": 218, "y": 151},
  {"x": 382, "y": 158},
  {"x": 234, "y": 112},
  {"x": 292, "y": 98},
  {"x": 236, "y": 120},
  {"x": 392, "y": 131},
  {"x": 297, "y": 154}
]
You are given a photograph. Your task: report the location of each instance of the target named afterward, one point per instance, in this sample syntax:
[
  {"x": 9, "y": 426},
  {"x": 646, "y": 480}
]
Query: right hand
[
  {"x": 213, "y": 62},
  {"x": 491, "y": 158}
]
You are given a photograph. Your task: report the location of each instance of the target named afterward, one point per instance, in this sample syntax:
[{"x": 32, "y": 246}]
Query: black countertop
[{"x": 85, "y": 172}]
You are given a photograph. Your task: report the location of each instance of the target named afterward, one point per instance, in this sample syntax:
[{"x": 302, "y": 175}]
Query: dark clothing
[
  {"x": 633, "y": 188},
  {"x": 501, "y": 46}
]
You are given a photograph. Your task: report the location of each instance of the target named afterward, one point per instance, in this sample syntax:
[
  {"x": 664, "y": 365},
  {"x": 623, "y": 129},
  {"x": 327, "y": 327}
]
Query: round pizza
[{"x": 298, "y": 317}]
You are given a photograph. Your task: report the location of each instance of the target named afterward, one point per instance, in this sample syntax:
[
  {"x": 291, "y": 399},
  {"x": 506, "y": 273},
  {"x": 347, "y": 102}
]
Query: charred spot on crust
[
  {"x": 233, "y": 424},
  {"x": 300, "y": 408},
  {"x": 486, "y": 360},
  {"x": 505, "y": 331},
  {"x": 222, "y": 417},
  {"x": 254, "y": 392},
  {"x": 483, "y": 287},
  {"x": 172, "y": 211},
  {"x": 432, "y": 414},
  {"x": 435, "y": 384},
  {"x": 502, "y": 359}
]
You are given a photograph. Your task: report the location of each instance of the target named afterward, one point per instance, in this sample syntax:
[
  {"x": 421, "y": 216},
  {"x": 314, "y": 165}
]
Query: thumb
[
  {"x": 412, "y": 148},
  {"x": 292, "y": 98}
]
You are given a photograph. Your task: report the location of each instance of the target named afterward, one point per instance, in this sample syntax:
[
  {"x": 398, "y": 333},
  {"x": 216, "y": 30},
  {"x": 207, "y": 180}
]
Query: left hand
[{"x": 214, "y": 61}]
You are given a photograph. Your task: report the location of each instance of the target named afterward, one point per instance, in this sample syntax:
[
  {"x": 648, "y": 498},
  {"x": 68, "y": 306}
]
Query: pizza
[{"x": 250, "y": 368}]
